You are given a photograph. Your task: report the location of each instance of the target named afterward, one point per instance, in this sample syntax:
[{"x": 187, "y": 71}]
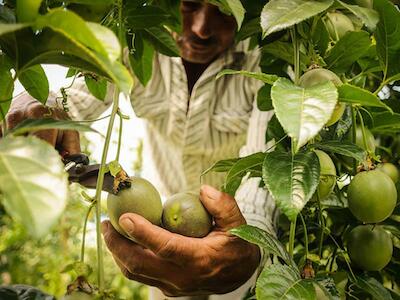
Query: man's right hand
[{"x": 25, "y": 107}]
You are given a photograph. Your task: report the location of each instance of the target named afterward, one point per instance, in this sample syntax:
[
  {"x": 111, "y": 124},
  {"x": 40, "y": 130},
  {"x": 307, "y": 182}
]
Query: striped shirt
[{"x": 187, "y": 133}]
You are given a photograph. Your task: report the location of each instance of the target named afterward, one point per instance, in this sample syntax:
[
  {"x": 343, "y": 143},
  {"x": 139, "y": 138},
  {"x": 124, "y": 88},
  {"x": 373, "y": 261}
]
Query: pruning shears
[{"x": 79, "y": 170}]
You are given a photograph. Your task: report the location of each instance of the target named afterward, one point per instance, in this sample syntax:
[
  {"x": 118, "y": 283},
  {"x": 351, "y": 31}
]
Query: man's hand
[
  {"x": 179, "y": 265},
  {"x": 25, "y": 107}
]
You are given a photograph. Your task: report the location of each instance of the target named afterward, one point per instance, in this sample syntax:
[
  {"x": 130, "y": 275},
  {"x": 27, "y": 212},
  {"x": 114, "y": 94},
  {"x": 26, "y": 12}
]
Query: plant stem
[
  {"x": 354, "y": 133},
  {"x": 322, "y": 224},
  {"x": 292, "y": 236},
  {"x": 121, "y": 122},
  {"x": 305, "y": 234},
  {"x": 296, "y": 56},
  {"x": 99, "y": 185},
  {"x": 84, "y": 232}
]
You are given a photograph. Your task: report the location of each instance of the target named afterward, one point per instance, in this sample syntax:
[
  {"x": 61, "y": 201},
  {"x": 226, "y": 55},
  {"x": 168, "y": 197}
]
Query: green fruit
[
  {"x": 327, "y": 178},
  {"x": 185, "y": 214},
  {"x": 27, "y": 10},
  {"x": 372, "y": 196},
  {"x": 141, "y": 198},
  {"x": 369, "y": 138},
  {"x": 370, "y": 247},
  {"x": 91, "y": 13},
  {"x": 317, "y": 76},
  {"x": 338, "y": 25},
  {"x": 390, "y": 170}
]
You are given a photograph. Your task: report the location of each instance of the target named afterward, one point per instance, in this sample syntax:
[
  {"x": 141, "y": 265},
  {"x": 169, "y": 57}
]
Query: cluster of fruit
[{"x": 182, "y": 213}]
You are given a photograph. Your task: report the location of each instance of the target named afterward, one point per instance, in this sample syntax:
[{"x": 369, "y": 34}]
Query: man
[{"x": 192, "y": 120}]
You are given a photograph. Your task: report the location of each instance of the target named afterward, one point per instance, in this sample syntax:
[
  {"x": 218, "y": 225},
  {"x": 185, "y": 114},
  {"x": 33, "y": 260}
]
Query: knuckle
[{"x": 167, "y": 249}]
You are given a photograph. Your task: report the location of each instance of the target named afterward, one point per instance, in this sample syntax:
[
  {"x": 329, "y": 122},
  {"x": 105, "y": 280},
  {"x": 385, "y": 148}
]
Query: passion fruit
[
  {"x": 184, "y": 213},
  {"x": 327, "y": 178},
  {"x": 370, "y": 247},
  {"x": 318, "y": 76},
  {"x": 390, "y": 170},
  {"x": 338, "y": 25},
  {"x": 141, "y": 198},
  {"x": 372, "y": 196},
  {"x": 369, "y": 139}
]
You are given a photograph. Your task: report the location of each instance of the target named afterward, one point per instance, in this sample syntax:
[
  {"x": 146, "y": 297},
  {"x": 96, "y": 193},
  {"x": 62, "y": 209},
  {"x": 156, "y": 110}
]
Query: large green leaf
[
  {"x": 356, "y": 95},
  {"x": 221, "y": 166},
  {"x": 348, "y": 50},
  {"x": 6, "y": 86},
  {"x": 33, "y": 183},
  {"x": 367, "y": 15},
  {"x": 142, "y": 59},
  {"x": 162, "y": 40},
  {"x": 373, "y": 287},
  {"x": 145, "y": 17},
  {"x": 343, "y": 148},
  {"x": 108, "y": 40},
  {"x": 31, "y": 125},
  {"x": 265, "y": 240},
  {"x": 266, "y": 78},
  {"x": 281, "y": 14},
  {"x": 386, "y": 121},
  {"x": 35, "y": 82},
  {"x": 388, "y": 36},
  {"x": 303, "y": 112},
  {"x": 248, "y": 29},
  {"x": 292, "y": 180},
  {"x": 279, "y": 282}
]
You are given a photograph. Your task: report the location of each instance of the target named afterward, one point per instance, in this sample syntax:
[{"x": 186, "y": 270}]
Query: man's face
[{"x": 206, "y": 33}]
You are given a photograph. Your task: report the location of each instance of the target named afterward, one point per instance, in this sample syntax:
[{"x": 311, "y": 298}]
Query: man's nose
[{"x": 202, "y": 23}]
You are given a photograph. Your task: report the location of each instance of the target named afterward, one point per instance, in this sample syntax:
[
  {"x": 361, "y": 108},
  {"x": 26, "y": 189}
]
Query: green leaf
[
  {"x": 71, "y": 72},
  {"x": 234, "y": 7},
  {"x": 30, "y": 125},
  {"x": 73, "y": 26},
  {"x": 35, "y": 82},
  {"x": 328, "y": 287},
  {"x": 348, "y": 50},
  {"x": 7, "y": 28},
  {"x": 252, "y": 163},
  {"x": 356, "y": 95},
  {"x": 6, "y": 86},
  {"x": 142, "y": 59},
  {"x": 266, "y": 78},
  {"x": 386, "y": 121},
  {"x": 114, "y": 167},
  {"x": 265, "y": 240},
  {"x": 303, "y": 112},
  {"x": 33, "y": 183},
  {"x": 91, "y": 2},
  {"x": 291, "y": 180},
  {"x": 146, "y": 16},
  {"x": 248, "y": 29},
  {"x": 285, "y": 51},
  {"x": 343, "y": 148},
  {"x": 221, "y": 166},
  {"x": 98, "y": 87},
  {"x": 367, "y": 15},
  {"x": 108, "y": 40},
  {"x": 162, "y": 40},
  {"x": 388, "y": 36},
  {"x": 279, "y": 282},
  {"x": 282, "y": 14},
  {"x": 264, "y": 101},
  {"x": 373, "y": 287}
]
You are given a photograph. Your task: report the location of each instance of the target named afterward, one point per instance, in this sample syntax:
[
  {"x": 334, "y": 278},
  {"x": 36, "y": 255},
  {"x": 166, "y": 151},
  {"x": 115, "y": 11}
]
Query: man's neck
[{"x": 193, "y": 73}]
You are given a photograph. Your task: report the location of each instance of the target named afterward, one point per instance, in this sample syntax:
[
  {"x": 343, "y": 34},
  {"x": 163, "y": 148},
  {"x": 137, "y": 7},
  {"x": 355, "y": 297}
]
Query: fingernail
[
  {"x": 211, "y": 192},
  {"x": 127, "y": 225},
  {"x": 104, "y": 227}
]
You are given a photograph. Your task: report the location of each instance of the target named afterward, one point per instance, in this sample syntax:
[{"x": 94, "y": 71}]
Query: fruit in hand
[
  {"x": 141, "y": 198},
  {"x": 372, "y": 196},
  {"x": 185, "y": 214},
  {"x": 327, "y": 178},
  {"x": 78, "y": 296},
  {"x": 390, "y": 170},
  {"x": 338, "y": 25},
  {"x": 370, "y": 247},
  {"x": 318, "y": 76}
]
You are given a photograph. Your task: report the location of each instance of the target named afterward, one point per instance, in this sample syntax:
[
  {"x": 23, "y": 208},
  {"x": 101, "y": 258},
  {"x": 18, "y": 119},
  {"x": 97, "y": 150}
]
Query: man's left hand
[{"x": 182, "y": 266}]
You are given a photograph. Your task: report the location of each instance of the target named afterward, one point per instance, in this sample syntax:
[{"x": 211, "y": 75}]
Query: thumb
[{"x": 222, "y": 207}]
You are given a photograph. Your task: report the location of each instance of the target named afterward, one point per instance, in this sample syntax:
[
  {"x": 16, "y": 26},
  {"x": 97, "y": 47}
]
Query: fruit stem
[
  {"x": 99, "y": 185},
  {"x": 363, "y": 131},
  {"x": 121, "y": 122},
  {"x": 353, "y": 138},
  {"x": 322, "y": 224},
  {"x": 305, "y": 234},
  {"x": 292, "y": 236},
  {"x": 84, "y": 231}
]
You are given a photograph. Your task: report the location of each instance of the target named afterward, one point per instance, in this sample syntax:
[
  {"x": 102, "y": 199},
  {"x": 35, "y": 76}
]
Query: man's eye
[{"x": 190, "y": 6}]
